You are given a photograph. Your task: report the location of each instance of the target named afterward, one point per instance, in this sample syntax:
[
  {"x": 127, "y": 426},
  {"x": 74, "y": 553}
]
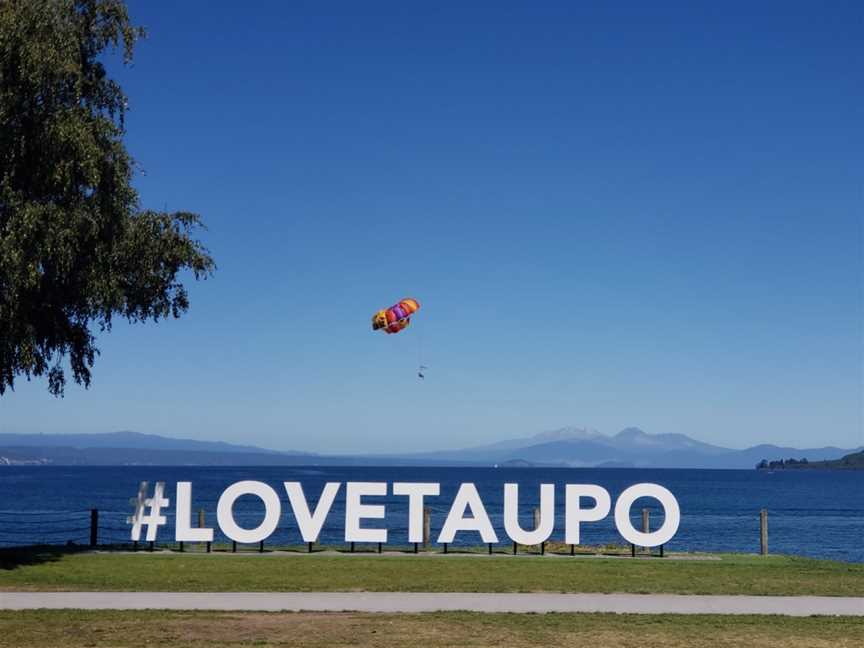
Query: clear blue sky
[{"x": 612, "y": 215}]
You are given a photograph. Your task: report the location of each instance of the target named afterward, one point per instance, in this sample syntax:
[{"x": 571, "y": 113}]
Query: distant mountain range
[
  {"x": 134, "y": 448},
  {"x": 124, "y": 439},
  {"x": 631, "y": 447},
  {"x": 569, "y": 447}
]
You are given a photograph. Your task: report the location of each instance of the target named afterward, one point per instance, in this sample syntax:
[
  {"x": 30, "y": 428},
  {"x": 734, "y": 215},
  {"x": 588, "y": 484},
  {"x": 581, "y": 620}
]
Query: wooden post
[
  {"x": 646, "y": 525},
  {"x": 94, "y": 527},
  {"x": 427, "y": 526},
  {"x": 763, "y": 531},
  {"x": 201, "y": 524},
  {"x": 537, "y": 526}
]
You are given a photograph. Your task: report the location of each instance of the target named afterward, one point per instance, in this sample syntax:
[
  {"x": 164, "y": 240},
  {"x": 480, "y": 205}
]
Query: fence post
[
  {"x": 537, "y": 526},
  {"x": 427, "y": 526},
  {"x": 94, "y": 527},
  {"x": 201, "y": 524},
  {"x": 763, "y": 532},
  {"x": 646, "y": 524}
]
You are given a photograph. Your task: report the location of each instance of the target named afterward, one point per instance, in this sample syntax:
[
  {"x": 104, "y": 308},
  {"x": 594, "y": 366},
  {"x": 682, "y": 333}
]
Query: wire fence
[
  {"x": 111, "y": 530},
  {"x": 25, "y": 528}
]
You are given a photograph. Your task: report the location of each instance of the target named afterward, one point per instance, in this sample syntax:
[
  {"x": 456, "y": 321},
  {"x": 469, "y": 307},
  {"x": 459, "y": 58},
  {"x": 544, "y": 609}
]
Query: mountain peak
[
  {"x": 567, "y": 434},
  {"x": 631, "y": 434}
]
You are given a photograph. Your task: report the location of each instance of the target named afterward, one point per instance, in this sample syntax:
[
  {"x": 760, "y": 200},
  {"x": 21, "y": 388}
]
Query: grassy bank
[
  {"x": 74, "y": 629},
  {"x": 51, "y": 569}
]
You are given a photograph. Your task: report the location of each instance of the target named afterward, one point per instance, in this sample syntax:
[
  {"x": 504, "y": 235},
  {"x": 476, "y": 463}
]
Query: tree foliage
[{"x": 76, "y": 248}]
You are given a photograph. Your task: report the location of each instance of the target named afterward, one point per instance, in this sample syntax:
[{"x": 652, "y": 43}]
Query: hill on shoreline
[
  {"x": 851, "y": 461},
  {"x": 565, "y": 447}
]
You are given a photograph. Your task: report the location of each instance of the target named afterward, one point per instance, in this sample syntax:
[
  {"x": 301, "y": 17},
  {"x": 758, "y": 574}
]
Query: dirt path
[{"x": 434, "y": 602}]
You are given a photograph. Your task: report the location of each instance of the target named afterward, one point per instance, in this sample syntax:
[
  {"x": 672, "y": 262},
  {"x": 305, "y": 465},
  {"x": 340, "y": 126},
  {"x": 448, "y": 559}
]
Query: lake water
[{"x": 811, "y": 513}]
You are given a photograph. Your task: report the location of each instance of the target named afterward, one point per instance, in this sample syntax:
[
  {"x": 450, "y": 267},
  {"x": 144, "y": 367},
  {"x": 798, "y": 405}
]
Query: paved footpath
[{"x": 434, "y": 602}]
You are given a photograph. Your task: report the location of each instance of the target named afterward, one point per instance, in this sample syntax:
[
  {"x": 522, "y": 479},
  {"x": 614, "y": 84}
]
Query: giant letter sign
[
  {"x": 225, "y": 511},
  {"x": 511, "y": 515},
  {"x": 574, "y": 514},
  {"x": 467, "y": 498},
  {"x": 355, "y": 511},
  {"x": 467, "y": 512},
  {"x": 671, "y": 514}
]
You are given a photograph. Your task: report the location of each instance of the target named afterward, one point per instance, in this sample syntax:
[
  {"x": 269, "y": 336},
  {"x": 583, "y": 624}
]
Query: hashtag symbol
[{"x": 152, "y": 520}]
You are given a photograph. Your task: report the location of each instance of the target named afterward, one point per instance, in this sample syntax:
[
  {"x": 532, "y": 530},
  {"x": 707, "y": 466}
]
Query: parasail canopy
[{"x": 395, "y": 318}]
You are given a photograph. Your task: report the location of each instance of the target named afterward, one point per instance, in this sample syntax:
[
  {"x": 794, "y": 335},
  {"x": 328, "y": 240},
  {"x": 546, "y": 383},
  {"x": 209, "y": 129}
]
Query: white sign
[{"x": 467, "y": 513}]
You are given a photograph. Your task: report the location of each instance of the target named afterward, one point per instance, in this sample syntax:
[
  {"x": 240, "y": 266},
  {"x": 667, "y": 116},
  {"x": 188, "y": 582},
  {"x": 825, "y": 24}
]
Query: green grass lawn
[
  {"x": 77, "y": 629},
  {"x": 52, "y": 569}
]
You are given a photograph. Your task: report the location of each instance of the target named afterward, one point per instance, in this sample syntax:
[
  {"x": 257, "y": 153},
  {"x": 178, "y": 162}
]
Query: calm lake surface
[{"x": 811, "y": 513}]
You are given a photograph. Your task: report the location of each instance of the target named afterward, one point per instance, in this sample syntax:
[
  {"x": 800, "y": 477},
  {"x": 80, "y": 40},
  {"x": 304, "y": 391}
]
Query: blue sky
[{"x": 612, "y": 215}]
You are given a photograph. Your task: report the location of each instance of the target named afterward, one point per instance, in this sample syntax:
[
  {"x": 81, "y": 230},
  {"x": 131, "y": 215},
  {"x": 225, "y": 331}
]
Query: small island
[{"x": 852, "y": 461}]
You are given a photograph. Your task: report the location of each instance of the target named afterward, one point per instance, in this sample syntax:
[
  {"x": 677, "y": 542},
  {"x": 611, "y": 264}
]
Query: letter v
[{"x": 310, "y": 523}]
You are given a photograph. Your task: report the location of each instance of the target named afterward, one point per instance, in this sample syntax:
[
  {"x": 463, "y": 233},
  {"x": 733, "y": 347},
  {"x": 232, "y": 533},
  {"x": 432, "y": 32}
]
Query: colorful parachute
[{"x": 395, "y": 318}]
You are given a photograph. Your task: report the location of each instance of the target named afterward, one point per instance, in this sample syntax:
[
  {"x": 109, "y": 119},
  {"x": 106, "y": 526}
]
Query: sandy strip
[{"x": 434, "y": 602}]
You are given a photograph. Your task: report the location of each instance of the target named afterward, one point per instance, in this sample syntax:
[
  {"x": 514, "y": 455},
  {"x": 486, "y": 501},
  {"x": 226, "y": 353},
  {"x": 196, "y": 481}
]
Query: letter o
[
  {"x": 671, "y": 515},
  {"x": 225, "y": 511}
]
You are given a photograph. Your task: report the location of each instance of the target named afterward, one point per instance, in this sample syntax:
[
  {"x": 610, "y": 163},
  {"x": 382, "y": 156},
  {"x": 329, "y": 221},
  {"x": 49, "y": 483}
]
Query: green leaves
[{"x": 76, "y": 249}]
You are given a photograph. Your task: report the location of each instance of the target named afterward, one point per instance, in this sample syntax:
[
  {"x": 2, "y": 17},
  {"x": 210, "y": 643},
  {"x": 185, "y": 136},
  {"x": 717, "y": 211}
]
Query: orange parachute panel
[{"x": 397, "y": 317}]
